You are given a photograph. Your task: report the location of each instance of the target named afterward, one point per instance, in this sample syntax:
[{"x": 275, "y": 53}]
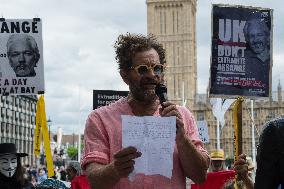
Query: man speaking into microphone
[{"x": 141, "y": 62}]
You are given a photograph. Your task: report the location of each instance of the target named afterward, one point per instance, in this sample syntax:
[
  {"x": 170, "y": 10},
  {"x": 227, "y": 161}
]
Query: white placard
[
  {"x": 154, "y": 137},
  {"x": 21, "y": 57},
  {"x": 203, "y": 131}
]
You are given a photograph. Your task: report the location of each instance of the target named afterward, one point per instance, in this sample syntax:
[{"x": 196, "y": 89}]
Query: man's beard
[
  {"x": 258, "y": 47},
  {"x": 142, "y": 93}
]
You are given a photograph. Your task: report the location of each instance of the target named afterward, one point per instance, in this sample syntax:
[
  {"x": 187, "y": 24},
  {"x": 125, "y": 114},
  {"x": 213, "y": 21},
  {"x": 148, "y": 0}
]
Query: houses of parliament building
[{"x": 174, "y": 24}]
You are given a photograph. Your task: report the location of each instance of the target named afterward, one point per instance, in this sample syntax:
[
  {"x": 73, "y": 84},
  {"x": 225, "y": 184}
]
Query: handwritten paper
[{"x": 154, "y": 137}]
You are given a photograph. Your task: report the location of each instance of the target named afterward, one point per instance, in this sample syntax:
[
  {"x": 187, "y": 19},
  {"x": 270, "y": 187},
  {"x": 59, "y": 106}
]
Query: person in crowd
[
  {"x": 75, "y": 176},
  {"x": 57, "y": 173},
  {"x": 27, "y": 169},
  {"x": 141, "y": 61},
  {"x": 217, "y": 160},
  {"x": 218, "y": 174},
  {"x": 23, "y": 54},
  {"x": 33, "y": 180},
  {"x": 250, "y": 167},
  {"x": 55, "y": 176},
  {"x": 33, "y": 171},
  {"x": 52, "y": 183},
  {"x": 11, "y": 170},
  {"x": 63, "y": 173},
  {"x": 42, "y": 176},
  {"x": 244, "y": 171},
  {"x": 73, "y": 170},
  {"x": 30, "y": 183},
  {"x": 270, "y": 155},
  {"x": 233, "y": 184}
]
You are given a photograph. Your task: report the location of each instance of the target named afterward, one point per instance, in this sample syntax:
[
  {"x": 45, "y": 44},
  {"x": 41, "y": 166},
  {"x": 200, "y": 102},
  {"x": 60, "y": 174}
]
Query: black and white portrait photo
[
  {"x": 23, "y": 54},
  {"x": 21, "y": 57}
]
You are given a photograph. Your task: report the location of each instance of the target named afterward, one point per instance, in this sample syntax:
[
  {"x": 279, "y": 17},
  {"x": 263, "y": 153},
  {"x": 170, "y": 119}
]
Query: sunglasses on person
[{"x": 158, "y": 69}]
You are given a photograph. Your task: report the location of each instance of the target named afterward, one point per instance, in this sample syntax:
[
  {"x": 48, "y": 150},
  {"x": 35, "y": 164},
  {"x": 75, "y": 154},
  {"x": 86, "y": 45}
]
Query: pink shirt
[{"x": 103, "y": 139}]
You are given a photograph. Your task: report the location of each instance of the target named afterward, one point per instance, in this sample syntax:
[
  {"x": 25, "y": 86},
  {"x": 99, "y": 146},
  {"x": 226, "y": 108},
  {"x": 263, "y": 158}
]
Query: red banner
[{"x": 215, "y": 180}]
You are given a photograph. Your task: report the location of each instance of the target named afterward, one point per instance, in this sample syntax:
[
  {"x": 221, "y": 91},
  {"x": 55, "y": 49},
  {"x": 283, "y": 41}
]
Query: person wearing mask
[{"x": 11, "y": 170}]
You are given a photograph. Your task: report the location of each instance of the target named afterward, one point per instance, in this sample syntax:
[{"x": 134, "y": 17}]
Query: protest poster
[
  {"x": 203, "y": 131},
  {"x": 106, "y": 97},
  {"x": 241, "y": 51},
  {"x": 21, "y": 57}
]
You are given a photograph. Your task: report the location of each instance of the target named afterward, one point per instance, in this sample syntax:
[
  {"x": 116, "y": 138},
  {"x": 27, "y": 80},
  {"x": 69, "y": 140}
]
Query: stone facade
[
  {"x": 173, "y": 23},
  {"x": 263, "y": 110},
  {"x": 71, "y": 140},
  {"x": 18, "y": 123}
]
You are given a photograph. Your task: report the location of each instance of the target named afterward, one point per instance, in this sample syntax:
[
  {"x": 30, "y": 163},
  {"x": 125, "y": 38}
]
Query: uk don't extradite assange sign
[
  {"x": 241, "y": 51},
  {"x": 106, "y": 97}
]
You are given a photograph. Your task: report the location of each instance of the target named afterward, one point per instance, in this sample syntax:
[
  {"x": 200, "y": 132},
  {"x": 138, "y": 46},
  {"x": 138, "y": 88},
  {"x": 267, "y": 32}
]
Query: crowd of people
[
  {"x": 13, "y": 175},
  {"x": 35, "y": 176},
  {"x": 70, "y": 176}
]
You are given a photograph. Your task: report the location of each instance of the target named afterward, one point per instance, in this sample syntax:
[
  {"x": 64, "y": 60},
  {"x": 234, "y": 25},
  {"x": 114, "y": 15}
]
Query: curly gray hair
[{"x": 75, "y": 165}]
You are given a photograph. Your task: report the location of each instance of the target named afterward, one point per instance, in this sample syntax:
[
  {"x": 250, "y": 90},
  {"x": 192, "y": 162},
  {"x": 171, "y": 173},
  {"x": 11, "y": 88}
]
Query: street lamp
[{"x": 49, "y": 123}]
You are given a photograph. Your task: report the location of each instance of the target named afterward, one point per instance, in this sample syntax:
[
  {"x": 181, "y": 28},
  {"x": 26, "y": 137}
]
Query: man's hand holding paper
[
  {"x": 124, "y": 161},
  {"x": 154, "y": 137}
]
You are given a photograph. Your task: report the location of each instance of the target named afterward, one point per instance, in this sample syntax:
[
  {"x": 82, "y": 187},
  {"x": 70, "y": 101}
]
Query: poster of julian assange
[
  {"x": 241, "y": 52},
  {"x": 21, "y": 57}
]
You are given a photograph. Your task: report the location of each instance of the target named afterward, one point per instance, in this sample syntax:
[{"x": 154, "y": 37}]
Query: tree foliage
[{"x": 72, "y": 152}]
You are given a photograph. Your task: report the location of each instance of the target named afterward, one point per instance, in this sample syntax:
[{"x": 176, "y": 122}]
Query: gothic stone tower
[{"x": 173, "y": 22}]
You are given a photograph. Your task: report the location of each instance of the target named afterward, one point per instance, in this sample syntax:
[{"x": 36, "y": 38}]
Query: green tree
[{"x": 72, "y": 152}]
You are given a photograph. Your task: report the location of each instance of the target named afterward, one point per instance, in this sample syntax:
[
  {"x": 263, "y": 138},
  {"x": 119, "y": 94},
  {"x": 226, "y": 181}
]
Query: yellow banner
[
  {"x": 237, "y": 108},
  {"x": 37, "y": 136},
  {"x": 41, "y": 128},
  {"x": 237, "y": 112},
  {"x": 236, "y": 142}
]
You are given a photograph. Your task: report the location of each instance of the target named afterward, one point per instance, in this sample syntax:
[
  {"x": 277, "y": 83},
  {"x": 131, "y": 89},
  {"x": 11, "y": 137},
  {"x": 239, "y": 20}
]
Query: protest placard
[
  {"x": 106, "y": 97},
  {"x": 21, "y": 57},
  {"x": 241, "y": 52}
]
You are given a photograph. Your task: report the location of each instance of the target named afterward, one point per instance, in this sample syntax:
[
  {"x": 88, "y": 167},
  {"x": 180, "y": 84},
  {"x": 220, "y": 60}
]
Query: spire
[
  {"x": 279, "y": 92},
  {"x": 279, "y": 87}
]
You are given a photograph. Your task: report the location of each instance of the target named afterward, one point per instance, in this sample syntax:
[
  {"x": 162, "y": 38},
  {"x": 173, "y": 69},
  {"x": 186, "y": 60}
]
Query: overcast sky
[{"x": 78, "y": 38}]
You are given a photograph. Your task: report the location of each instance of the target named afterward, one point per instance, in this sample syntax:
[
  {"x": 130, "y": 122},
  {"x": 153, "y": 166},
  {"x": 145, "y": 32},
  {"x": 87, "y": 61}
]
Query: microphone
[{"x": 161, "y": 92}]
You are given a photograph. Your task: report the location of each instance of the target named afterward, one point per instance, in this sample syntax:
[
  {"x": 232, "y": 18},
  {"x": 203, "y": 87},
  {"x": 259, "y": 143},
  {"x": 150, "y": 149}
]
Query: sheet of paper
[{"x": 155, "y": 138}]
